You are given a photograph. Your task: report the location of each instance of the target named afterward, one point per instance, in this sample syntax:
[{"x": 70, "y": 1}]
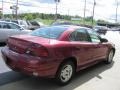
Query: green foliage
[
  {"x": 102, "y": 21},
  {"x": 47, "y": 21},
  {"x": 88, "y": 18},
  {"x": 0, "y": 14},
  {"x": 30, "y": 16},
  {"x": 50, "y": 18}
]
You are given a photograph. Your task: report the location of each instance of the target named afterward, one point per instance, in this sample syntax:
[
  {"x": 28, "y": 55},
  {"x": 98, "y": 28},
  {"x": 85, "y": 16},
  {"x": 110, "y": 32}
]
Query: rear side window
[
  {"x": 79, "y": 35},
  {"x": 49, "y": 32},
  {"x": 13, "y": 26}
]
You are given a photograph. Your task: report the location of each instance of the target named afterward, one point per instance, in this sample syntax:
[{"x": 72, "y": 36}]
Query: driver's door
[{"x": 100, "y": 49}]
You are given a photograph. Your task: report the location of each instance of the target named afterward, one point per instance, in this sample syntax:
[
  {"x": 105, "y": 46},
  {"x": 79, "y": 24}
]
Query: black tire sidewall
[{"x": 107, "y": 60}]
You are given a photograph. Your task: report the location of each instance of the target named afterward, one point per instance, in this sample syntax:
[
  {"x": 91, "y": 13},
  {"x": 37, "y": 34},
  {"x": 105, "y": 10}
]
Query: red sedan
[{"x": 57, "y": 52}]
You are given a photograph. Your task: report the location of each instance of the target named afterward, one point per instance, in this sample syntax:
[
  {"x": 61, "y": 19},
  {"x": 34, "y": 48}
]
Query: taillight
[{"x": 37, "y": 50}]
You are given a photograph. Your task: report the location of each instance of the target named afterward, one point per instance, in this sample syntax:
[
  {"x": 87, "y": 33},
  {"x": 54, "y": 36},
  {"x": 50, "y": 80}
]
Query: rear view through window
[{"x": 49, "y": 32}]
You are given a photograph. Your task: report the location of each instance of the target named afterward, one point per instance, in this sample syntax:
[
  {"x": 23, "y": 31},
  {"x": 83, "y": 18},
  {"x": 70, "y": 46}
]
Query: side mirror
[{"x": 104, "y": 40}]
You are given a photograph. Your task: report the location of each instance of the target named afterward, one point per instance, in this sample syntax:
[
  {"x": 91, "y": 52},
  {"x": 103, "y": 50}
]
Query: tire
[
  {"x": 110, "y": 56},
  {"x": 65, "y": 73}
]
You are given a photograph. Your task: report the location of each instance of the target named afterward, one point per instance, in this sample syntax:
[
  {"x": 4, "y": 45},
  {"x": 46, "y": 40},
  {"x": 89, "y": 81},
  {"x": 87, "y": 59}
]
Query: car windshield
[{"x": 49, "y": 32}]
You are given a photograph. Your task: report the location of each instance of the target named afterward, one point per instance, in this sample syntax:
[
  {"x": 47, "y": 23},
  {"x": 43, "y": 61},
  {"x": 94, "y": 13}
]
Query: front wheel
[
  {"x": 110, "y": 57},
  {"x": 65, "y": 73}
]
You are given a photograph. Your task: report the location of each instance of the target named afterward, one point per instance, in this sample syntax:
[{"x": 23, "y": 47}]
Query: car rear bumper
[{"x": 28, "y": 64}]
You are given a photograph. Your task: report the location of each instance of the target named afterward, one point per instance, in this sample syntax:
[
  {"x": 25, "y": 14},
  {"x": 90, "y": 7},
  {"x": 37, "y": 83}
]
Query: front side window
[
  {"x": 94, "y": 36},
  {"x": 79, "y": 35}
]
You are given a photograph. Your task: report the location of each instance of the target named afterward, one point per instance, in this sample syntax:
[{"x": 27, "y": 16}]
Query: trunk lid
[{"x": 21, "y": 43}]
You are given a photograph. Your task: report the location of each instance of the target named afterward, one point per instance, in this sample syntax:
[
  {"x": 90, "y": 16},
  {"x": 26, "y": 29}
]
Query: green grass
[
  {"x": 86, "y": 22},
  {"x": 49, "y": 22}
]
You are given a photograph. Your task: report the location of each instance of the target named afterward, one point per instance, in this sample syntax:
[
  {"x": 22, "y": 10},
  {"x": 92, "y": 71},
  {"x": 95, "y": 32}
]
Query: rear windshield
[
  {"x": 49, "y": 32},
  {"x": 35, "y": 23}
]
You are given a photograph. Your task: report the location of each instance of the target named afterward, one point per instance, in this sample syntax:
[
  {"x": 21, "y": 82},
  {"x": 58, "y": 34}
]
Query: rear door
[
  {"x": 100, "y": 49},
  {"x": 82, "y": 46},
  {"x": 15, "y": 29}
]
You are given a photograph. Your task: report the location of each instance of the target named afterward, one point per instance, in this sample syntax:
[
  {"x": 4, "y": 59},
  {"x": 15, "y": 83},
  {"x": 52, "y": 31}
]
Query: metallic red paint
[{"x": 85, "y": 53}]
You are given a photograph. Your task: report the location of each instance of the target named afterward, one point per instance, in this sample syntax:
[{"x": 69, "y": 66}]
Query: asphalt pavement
[
  {"x": 3, "y": 67},
  {"x": 98, "y": 77}
]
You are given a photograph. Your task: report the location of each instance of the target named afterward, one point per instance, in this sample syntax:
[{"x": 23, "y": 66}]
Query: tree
[
  {"x": 88, "y": 18},
  {"x": 101, "y": 21},
  {"x": 0, "y": 15},
  {"x": 28, "y": 16}
]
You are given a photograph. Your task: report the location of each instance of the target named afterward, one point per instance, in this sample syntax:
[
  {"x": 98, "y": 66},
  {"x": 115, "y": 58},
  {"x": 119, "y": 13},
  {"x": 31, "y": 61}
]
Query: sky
[{"x": 104, "y": 9}]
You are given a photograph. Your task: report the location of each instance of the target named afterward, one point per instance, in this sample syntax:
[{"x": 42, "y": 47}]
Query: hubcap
[
  {"x": 110, "y": 57},
  {"x": 66, "y": 73}
]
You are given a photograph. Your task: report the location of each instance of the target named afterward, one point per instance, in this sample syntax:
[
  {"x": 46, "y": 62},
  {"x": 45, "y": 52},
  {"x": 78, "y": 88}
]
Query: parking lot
[{"x": 98, "y": 77}]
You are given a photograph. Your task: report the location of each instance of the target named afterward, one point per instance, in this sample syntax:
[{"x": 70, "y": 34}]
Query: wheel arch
[
  {"x": 69, "y": 60},
  {"x": 73, "y": 59}
]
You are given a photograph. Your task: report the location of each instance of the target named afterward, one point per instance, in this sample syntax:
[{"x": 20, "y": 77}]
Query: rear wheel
[
  {"x": 110, "y": 57},
  {"x": 65, "y": 73}
]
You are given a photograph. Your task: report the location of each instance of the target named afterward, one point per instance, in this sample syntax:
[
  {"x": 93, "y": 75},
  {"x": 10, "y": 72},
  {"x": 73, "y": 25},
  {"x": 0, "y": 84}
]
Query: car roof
[
  {"x": 71, "y": 26},
  {"x": 8, "y": 22}
]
